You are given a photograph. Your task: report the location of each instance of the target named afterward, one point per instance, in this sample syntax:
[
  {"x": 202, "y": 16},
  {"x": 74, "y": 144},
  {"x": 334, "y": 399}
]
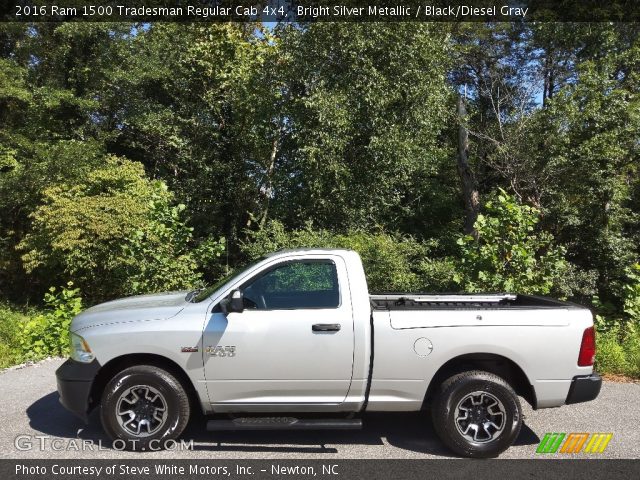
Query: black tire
[
  {"x": 481, "y": 389},
  {"x": 157, "y": 425}
]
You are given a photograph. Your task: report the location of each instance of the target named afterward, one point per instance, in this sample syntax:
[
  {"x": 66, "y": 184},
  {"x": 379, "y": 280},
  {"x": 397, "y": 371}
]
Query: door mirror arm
[{"x": 224, "y": 305}]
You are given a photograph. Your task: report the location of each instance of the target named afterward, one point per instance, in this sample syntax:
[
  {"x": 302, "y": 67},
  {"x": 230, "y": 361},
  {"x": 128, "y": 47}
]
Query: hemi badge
[{"x": 189, "y": 349}]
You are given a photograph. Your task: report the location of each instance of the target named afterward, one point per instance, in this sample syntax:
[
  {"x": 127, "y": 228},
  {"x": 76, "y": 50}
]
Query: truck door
[{"x": 292, "y": 343}]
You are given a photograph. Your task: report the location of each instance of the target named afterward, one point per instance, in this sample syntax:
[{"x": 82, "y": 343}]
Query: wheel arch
[
  {"x": 499, "y": 365},
  {"x": 117, "y": 364}
]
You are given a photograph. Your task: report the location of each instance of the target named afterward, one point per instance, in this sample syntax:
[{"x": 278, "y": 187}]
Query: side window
[{"x": 304, "y": 284}]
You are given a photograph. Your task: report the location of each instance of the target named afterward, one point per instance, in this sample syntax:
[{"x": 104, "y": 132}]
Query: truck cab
[{"x": 296, "y": 335}]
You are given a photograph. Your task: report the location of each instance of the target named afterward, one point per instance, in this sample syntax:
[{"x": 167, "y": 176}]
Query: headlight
[{"x": 80, "y": 350}]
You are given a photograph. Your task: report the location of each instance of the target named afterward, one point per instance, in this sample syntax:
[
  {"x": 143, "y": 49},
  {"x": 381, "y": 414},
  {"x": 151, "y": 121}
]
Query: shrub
[
  {"x": 115, "y": 232},
  {"x": 619, "y": 350},
  {"x": 438, "y": 275},
  {"x": 610, "y": 356},
  {"x": 47, "y": 334},
  {"x": 618, "y": 336},
  {"x": 10, "y": 326},
  {"x": 160, "y": 254},
  {"x": 392, "y": 262},
  {"x": 631, "y": 347},
  {"x": 510, "y": 254}
]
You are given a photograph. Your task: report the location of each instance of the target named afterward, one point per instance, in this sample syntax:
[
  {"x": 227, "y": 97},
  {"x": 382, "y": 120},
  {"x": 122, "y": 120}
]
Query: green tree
[
  {"x": 52, "y": 124},
  {"x": 366, "y": 104},
  {"x": 631, "y": 293},
  {"x": 588, "y": 157},
  {"x": 188, "y": 107},
  {"x": 114, "y": 233}
]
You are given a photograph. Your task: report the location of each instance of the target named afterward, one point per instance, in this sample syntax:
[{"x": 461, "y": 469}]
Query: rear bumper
[
  {"x": 74, "y": 381},
  {"x": 584, "y": 388}
]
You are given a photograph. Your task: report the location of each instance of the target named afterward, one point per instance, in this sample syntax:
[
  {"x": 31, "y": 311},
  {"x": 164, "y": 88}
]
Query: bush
[
  {"x": 511, "y": 255},
  {"x": 610, "y": 356},
  {"x": 47, "y": 334},
  {"x": 32, "y": 335},
  {"x": 159, "y": 255},
  {"x": 115, "y": 233},
  {"x": 631, "y": 347},
  {"x": 392, "y": 262},
  {"x": 618, "y": 336},
  {"x": 11, "y": 322},
  {"x": 618, "y": 350}
]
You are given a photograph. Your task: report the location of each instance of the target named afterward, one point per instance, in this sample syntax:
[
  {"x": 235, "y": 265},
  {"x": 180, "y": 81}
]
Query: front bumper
[
  {"x": 74, "y": 381},
  {"x": 584, "y": 388}
]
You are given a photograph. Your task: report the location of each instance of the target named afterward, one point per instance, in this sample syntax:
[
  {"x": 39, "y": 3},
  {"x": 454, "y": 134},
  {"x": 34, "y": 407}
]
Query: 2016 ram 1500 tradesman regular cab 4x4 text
[{"x": 297, "y": 333}]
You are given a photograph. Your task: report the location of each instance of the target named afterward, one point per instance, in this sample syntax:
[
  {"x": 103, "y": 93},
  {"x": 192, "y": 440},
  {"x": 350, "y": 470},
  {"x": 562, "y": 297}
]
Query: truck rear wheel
[
  {"x": 143, "y": 407},
  {"x": 477, "y": 414}
]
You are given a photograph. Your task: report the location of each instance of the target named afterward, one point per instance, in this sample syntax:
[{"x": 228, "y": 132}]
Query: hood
[{"x": 157, "y": 306}]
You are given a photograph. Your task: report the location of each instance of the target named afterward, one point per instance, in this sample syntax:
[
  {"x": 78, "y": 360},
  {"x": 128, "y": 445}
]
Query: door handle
[{"x": 326, "y": 327}]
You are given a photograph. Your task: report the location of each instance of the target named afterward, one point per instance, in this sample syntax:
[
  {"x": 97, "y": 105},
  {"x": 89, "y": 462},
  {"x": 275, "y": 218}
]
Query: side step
[{"x": 284, "y": 423}]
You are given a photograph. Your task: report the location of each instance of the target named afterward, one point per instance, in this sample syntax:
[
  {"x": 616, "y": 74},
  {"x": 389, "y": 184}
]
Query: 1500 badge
[{"x": 221, "y": 351}]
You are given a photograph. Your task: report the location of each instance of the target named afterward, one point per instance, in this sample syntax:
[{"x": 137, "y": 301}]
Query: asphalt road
[{"x": 30, "y": 408}]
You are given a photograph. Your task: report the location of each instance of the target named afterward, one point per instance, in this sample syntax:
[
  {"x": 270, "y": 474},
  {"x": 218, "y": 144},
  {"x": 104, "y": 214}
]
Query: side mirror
[{"x": 235, "y": 302}]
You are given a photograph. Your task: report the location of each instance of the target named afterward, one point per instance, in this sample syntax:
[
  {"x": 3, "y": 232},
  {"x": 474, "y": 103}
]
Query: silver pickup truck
[{"x": 295, "y": 341}]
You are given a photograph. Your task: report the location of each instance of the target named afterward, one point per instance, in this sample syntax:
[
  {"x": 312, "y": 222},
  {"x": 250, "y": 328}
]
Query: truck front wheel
[
  {"x": 477, "y": 414},
  {"x": 143, "y": 407}
]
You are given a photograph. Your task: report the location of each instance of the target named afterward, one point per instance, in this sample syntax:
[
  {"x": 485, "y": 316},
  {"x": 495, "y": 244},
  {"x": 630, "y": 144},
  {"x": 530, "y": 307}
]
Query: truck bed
[{"x": 420, "y": 301}]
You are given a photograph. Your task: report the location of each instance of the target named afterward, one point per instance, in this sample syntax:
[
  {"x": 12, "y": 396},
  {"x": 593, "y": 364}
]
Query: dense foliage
[
  {"x": 510, "y": 254},
  {"x": 47, "y": 333},
  {"x": 145, "y": 157},
  {"x": 392, "y": 262},
  {"x": 31, "y": 335}
]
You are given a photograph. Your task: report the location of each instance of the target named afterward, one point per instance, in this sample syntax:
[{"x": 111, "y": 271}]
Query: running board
[{"x": 284, "y": 423}]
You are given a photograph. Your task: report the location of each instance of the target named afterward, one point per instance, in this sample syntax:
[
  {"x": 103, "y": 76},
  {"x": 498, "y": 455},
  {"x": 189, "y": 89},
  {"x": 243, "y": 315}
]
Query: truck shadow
[{"x": 407, "y": 431}]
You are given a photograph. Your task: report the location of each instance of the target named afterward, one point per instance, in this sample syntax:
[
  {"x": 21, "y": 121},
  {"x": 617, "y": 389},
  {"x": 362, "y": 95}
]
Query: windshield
[{"x": 206, "y": 292}]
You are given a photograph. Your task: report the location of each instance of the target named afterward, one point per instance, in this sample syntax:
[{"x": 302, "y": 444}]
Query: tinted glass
[
  {"x": 295, "y": 285},
  {"x": 206, "y": 292}
]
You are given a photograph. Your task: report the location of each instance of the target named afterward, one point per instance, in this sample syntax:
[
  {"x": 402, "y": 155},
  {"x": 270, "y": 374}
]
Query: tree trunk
[
  {"x": 269, "y": 188},
  {"x": 469, "y": 187},
  {"x": 549, "y": 77}
]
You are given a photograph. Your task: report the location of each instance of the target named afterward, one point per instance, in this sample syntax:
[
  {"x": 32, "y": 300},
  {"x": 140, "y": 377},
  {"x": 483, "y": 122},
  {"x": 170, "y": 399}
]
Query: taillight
[{"x": 587, "y": 354}]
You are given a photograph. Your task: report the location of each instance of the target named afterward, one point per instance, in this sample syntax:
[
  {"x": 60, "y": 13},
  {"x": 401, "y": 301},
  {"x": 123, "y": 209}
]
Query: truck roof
[{"x": 309, "y": 250}]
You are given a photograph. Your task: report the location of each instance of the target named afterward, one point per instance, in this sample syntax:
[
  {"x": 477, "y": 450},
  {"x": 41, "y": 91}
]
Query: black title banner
[
  {"x": 311, "y": 11},
  {"x": 315, "y": 469}
]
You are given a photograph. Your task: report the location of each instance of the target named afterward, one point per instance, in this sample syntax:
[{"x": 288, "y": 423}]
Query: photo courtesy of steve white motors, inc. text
[{"x": 161, "y": 468}]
